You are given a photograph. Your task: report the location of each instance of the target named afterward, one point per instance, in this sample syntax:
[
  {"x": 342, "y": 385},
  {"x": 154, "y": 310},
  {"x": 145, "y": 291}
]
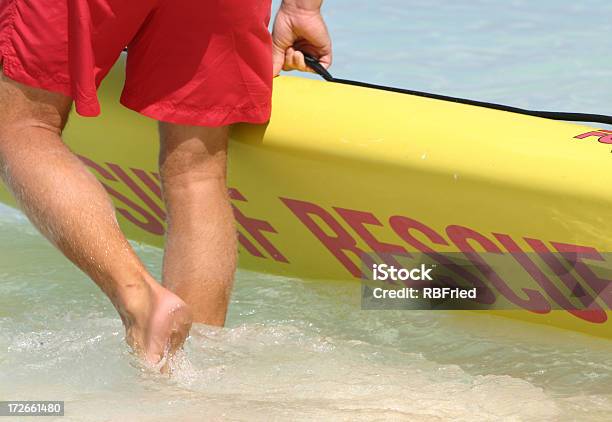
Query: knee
[{"x": 192, "y": 155}]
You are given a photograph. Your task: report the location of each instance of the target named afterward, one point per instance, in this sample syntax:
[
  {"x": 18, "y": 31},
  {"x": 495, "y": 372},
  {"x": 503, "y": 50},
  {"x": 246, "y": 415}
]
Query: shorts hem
[
  {"x": 15, "y": 71},
  {"x": 210, "y": 117}
]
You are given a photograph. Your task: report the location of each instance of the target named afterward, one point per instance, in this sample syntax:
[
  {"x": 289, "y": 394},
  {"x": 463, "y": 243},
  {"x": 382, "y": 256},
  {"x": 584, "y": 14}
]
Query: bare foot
[{"x": 158, "y": 324}]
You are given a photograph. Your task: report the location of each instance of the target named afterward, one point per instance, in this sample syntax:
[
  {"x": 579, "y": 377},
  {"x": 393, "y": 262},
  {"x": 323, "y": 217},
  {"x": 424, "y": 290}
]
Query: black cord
[{"x": 554, "y": 115}]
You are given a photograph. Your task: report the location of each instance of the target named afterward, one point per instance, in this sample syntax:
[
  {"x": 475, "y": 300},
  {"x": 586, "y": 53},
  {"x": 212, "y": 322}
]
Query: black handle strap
[{"x": 554, "y": 115}]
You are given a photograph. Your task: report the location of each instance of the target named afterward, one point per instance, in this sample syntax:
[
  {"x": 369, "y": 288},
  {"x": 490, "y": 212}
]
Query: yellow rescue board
[{"x": 341, "y": 171}]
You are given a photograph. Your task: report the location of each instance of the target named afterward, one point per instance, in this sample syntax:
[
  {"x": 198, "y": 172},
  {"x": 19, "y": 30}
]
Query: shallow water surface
[
  {"x": 303, "y": 350},
  {"x": 293, "y": 350}
]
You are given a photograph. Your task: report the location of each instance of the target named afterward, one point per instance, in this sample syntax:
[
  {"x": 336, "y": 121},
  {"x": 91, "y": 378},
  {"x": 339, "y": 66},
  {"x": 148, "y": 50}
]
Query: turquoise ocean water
[{"x": 299, "y": 350}]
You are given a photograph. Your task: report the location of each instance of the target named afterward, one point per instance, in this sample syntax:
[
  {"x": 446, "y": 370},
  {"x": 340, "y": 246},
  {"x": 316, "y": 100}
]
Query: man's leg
[
  {"x": 71, "y": 208},
  {"x": 200, "y": 256}
]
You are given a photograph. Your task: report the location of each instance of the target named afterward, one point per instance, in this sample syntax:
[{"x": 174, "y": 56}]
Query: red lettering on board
[
  {"x": 563, "y": 273},
  {"x": 403, "y": 225},
  {"x": 338, "y": 244},
  {"x": 358, "y": 220},
  {"x": 605, "y": 137},
  {"x": 242, "y": 239},
  {"x": 254, "y": 227},
  {"x": 341, "y": 244},
  {"x": 594, "y": 315},
  {"x": 460, "y": 236},
  {"x": 150, "y": 223},
  {"x": 137, "y": 190},
  {"x": 97, "y": 168},
  {"x": 155, "y": 225},
  {"x": 153, "y": 185},
  {"x": 575, "y": 255}
]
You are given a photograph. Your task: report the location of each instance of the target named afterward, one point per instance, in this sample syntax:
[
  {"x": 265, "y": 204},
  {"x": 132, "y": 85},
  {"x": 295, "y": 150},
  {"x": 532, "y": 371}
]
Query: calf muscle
[{"x": 200, "y": 254}]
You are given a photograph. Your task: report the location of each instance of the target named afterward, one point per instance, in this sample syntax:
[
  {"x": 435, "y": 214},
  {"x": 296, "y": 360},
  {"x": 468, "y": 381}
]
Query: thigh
[
  {"x": 67, "y": 46},
  {"x": 24, "y": 106}
]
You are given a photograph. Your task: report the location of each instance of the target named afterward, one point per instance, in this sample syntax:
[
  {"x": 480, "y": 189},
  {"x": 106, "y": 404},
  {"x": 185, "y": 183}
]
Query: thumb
[
  {"x": 278, "y": 59},
  {"x": 326, "y": 60}
]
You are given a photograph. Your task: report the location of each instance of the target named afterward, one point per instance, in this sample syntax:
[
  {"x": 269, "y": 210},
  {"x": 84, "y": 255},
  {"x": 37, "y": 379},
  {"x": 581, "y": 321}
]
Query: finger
[
  {"x": 291, "y": 60},
  {"x": 294, "y": 60},
  {"x": 278, "y": 60},
  {"x": 288, "y": 63},
  {"x": 326, "y": 60},
  {"x": 299, "y": 62}
]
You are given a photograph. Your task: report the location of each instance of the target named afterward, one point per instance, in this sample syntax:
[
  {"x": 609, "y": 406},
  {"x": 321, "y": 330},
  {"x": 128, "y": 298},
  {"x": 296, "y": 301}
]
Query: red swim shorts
[{"x": 195, "y": 62}]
